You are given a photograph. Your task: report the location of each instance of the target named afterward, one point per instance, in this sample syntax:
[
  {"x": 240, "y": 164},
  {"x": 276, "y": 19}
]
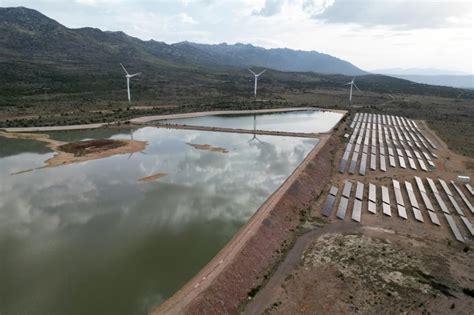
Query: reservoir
[
  {"x": 99, "y": 237},
  {"x": 309, "y": 121}
]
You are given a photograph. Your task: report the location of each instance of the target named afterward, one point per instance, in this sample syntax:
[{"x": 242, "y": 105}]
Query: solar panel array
[
  {"x": 409, "y": 191},
  {"x": 377, "y": 137}
]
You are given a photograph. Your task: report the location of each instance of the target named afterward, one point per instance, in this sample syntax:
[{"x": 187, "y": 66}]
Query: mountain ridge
[{"x": 28, "y": 24}]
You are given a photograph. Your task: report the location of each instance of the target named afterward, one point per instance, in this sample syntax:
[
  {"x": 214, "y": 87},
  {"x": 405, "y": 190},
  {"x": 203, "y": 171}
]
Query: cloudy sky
[{"x": 372, "y": 34}]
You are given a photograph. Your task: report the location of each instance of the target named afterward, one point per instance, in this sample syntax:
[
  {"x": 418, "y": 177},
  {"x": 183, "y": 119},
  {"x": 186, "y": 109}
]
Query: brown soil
[
  {"x": 208, "y": 147},
  {"x": 123, "y": 147},
  {"x": 152, "y": 178},
  {"x": 382, "y": 265}
]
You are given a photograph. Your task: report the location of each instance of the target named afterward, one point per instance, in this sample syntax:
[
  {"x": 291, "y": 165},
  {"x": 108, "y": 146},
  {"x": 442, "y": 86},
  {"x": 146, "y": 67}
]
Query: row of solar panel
[
  {"x": 400, "y": 203},
  {"x": 359, "y": 132}
]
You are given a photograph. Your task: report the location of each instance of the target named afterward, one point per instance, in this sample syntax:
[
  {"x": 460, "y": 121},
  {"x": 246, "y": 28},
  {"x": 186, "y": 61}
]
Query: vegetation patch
[{"x": 82, "y": 148}]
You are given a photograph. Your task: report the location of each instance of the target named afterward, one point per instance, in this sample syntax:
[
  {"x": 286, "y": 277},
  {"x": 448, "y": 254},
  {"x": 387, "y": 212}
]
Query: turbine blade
[
  {"x": 261, "y": 72},
  {"x": 357, "y": 87},
  {"x": 252, "y": 71},
  {"x": 124, "y": 68},
  {"x": 134, "y": 75}
]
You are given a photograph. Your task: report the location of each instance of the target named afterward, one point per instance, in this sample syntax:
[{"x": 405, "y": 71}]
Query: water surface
[
  {"x": 89, "y": 238},
  {"x": 311, "y": 121}
]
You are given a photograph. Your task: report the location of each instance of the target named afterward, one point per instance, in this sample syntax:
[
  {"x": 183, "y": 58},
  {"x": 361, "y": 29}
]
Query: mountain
[
  {"x": 282, "y": 59},
  {"x": 42, "y": 61},
  {"x": 27, "y": 32}
]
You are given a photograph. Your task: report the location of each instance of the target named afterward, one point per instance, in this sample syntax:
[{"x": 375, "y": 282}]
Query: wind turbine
[
  {"x": 256, "y": 80},
  {"x": 255, "y": 130},
  {"x": 128, "y": 76},
  {"x": 350, "y": 94}
]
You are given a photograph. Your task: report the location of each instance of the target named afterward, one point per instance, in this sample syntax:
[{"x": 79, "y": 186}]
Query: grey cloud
[{"x": 397, "y": 13}]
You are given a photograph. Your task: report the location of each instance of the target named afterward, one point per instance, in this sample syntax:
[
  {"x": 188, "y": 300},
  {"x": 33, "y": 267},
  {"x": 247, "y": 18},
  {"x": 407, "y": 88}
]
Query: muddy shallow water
[{"x": 90, "y": 238}]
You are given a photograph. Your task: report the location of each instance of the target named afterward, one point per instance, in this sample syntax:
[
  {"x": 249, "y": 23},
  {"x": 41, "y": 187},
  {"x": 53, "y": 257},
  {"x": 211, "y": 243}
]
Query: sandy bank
[
  {"x": 68, "y": 153},
  {"x": 152, "y": 178},
  {"x": 208, "y": 147}
]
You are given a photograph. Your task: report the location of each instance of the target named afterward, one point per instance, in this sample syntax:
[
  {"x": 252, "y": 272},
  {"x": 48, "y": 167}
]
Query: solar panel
[
  {"x": 432, "y": 185},
  {"x": 363, "y": 163},
  {"x": 341, "y": 210},
  {"x": 382, "y": 150},
  {"x": 468, "y": 225},
  {"x": 396, "y": 183},
  {"x": 454, "y": 228},
  {"x": 342, "y": 166},
  {"x": 411, "y": 195},
  {"x": 385, "y": 195},
  {"x": 355, "y": 156},
  {"x": 422, "y": 165},
  {"x": 333, "y": 190},
  {"x": 390, "y": 150},
  {"x": 356, "y": 210},
  {"x": 359, "y": 191},
  {"x": 372, "y": 192},
  {"x": 365, "y": 149},
  {"x": 418, "y": 215},
  {"x": 346, "y": 192},
  {"x": 427, "y": 201},
  {"x": 402, "y": 211},
  {"x": 383, "y": 166},
  {"x": 398, "y": 197},
  {"x": 412, "y": 163},
  {"x": 445, "y": 187},
  {"x": 420, "y": 185},
  {"x": 434, "y": 218},
  {"x": 455, "y": 205},
  {"x": 327, "y": 209},
  {"x": 463, "y": 197},
  {"x": 372, "y": 207},
  {"x": 386, "y": 209},
  {"x": 402, "y": 162},
  {"x": 373, "y": 162},
  {"x": 469, "y": 188},
  {"x": 441, "y": 203},
  {"x": 392, "y": 161}
]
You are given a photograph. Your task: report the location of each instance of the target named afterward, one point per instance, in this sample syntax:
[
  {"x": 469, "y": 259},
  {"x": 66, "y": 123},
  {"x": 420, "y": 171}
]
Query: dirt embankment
[{"x": 243, "y": 264}]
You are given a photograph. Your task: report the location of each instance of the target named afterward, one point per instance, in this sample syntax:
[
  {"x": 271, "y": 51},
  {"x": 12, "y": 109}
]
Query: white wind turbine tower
[
  {"x": 352, "y": 83},
  {"x": 128, "y": 76},
  {"x": 256, "y": 80}
]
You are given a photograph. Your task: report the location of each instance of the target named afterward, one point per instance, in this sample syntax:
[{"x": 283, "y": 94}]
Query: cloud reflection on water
[{"x": 96, "y": 213}]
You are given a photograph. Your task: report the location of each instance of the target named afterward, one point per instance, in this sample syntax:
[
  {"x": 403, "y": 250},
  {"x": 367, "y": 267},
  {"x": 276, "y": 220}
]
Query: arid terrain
[{"x": 380, "y": 265}]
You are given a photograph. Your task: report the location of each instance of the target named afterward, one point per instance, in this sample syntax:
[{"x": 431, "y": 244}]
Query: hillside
[{"x": 45, "y": 63}]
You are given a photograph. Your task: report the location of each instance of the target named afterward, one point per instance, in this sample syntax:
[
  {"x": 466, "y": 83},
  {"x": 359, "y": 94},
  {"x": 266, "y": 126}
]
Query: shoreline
[{"x": 195, "y": 293}]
